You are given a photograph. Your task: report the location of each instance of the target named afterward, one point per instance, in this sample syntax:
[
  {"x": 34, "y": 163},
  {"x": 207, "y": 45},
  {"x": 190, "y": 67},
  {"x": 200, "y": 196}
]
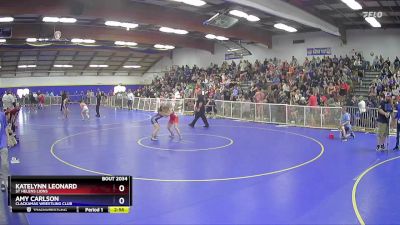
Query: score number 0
[{"x": 121, "y": 200}]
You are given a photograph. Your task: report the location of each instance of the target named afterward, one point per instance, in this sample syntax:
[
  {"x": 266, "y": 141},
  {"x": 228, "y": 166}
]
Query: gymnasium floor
[{"x": 231, "y": 173}]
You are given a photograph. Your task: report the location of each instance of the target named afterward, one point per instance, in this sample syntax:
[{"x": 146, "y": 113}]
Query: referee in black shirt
[
  {"x": 63, "y": 97},
  {"x": 200, "y": 111},
  {"x": 98, "y": 101}
]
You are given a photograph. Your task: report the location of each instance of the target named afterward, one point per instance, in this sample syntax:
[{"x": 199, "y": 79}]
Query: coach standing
[
  {"x": 4, "y": 171},
  {"x": 385, "y": 109},
  {"x": 200, "y": 111}
]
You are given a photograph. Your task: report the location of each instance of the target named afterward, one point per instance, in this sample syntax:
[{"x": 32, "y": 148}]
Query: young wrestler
[
  {"x": 163, "y": 111},
  {"x": 345, "y": 126},
  {"x": 173, "y": 123},
  {"x": 85, "y": 110}
]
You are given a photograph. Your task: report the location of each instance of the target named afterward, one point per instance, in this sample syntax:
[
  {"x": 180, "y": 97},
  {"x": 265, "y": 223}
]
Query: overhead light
[
  {"x": 238, "y": 13},
  {"x": 58, "y": 19},
  {"x": 76, "y": 40},
  {"x": 98, "y": 66},
  {"x": 166, "y": 29},
  {"x": 43, "y": 39},
  {"x": 85, "y": 41},
  {"x": 164, "y": 47},
  {"x": 233, "y": 50},
  {"x": 129, "y": 25},
  {"x": 354, "y": 5},
  {"x": 241, "y": 14},
  {"x": 285, "y": 27},
  {"x": 63, "y": 66},
  {"x": 197, "y": 3},
  {"x": 125, "y": 43},
  {"x": 252, "y": 18},
  {"x": 67, "y": 20},
  {"x": 121, "y": 24},
  {"x": 172, "y": 30},
  {"x": 50, "y": 19},
  {"x": 210, "y": 36},
  {"x": 373, "y": 22},
  {"x": 129, "y": 43},
  {"x": 88, "y": 41},
  {"x": 113, "y": 23},
  {"x": 177, "y": 31},
  {"x": 221, "y": 38},
  {"x": 132, "y": 66},
  {"x": 26, "y": 66},
  {"x": 31, "y": 40},
  {"x": 6, "y": 19},
  {"x": 3, "y": 40}
]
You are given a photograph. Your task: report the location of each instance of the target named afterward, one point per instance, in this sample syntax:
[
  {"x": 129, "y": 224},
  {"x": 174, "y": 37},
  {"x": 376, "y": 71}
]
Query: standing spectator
[
  {"x": 4, "y": 171},
  {"x": 259, "y": 98},
  {"x": 8, "y": 100},
  {"x": 41, "y": 100},
  {"x": 396, "y": 63},
  {"x": 312, "y": 100},
  {"x": 131, "y": 98},
  {"x": 385, "y": 109},
  {"x": 63, "y": 97},
  {"x": 397, "y": 117},
  {"x": 362, "y": 110}
]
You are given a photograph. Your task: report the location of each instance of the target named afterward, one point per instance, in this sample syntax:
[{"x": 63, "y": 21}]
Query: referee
[
  {"x": 98, "y": 102},
  {"x": 63, "y": 97},
  {"x": 200, "y": 111}
]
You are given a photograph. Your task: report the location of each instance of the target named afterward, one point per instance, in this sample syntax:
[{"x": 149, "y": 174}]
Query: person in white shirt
[
  {"x": 362, "y": 110},
  {"x": 8, "y": 100},
  {"x": 131, "y": 98}
]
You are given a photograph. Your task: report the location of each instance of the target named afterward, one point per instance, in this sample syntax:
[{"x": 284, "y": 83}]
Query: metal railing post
[
  {"x": 286, "y": 114},
  {"x": 321, "y": 116},
  {"x": 231, "y": 109}
]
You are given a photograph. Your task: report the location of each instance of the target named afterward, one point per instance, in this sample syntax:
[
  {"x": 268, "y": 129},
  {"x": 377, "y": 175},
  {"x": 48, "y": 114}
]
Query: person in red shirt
[
  {"x": 173, "y": 123},
  {"x": 41, "y": 101},
  {"x": 312, "y": 100}
]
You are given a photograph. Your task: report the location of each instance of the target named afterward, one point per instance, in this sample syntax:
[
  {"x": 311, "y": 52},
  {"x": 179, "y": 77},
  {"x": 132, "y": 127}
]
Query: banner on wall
[
  {"x": 319, "y": 51},
  {"x": 233, "y": 55}
]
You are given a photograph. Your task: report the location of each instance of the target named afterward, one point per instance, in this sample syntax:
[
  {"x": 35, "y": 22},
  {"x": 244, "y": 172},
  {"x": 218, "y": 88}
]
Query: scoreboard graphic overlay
[{"x": 75, "y": 194}]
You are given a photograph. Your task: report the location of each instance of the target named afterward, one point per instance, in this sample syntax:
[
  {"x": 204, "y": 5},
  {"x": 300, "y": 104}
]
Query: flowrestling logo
[{"x": 373, "y": 14}]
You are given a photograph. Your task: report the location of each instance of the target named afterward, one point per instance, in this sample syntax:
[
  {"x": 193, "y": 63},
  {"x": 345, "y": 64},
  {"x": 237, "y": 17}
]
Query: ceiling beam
[
  {"x": 122, "y": 10},
  {"x": 111, "y": 34},
  {"x": 287, "y": 11}
]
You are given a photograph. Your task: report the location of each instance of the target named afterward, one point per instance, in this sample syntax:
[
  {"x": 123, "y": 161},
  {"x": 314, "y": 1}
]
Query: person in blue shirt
[
  {"x": 397, "y": 117},
  {"x": 4, "y": 167},
  {"x": 345, "y": 125}
]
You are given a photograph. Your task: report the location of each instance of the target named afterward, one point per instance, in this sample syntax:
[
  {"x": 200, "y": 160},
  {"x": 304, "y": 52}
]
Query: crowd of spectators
[
  {"x": 327, "y": 79},
  {"x": 388, "y": 80}
]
